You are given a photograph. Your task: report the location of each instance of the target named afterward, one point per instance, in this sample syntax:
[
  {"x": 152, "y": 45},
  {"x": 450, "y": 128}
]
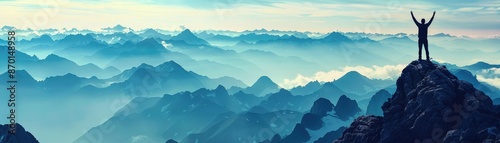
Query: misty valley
[{"x": 126, "y": 85}]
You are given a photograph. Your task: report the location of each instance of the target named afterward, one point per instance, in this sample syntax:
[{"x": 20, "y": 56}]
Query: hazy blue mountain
[
  {"x": 21, "y": 57},
  {"x": 469, "y": 77},
  {"x": 247, "y": 100},
  {"x": 54, "y": 65},
  {"x": 229, "y": 130},
  {"x": 329, "y": 91},
  {"x": 321, "y": 124},
  {"x": 336, "y": 37},
  {"x": 151, "y": 33},
  {"x": 74, "y": 40},
  {"x": 253, "y": 37},
  {"x": 168, "y": 77},
  {"x": 146, "y": 51},
  {"x": 284, "y": 100},
  {"x": 44, "y": 39},
  {"x": 30, "y": 85},
  {"x": 188, "y": 37},
  {"x": 354, "y": 82},
  {"x": 77, "y": 52},
  {"x": 118, "y": 37},
  {"x": 172, "y": 117},
  {"x": 376, "y": 102},
  {"x": 263, "y": 86},
  {"x": 307, "y": 89},
  {"x": 400, "y": 41},
  {"x": 480, "y": 66},
  {"x": 70, "y": 82}
]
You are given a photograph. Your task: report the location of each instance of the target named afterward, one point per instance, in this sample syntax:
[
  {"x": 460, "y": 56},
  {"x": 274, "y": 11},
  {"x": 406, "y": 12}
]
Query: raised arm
[
  {"x": 430, "y": 21},
  {"x": 414, "y": 20}
]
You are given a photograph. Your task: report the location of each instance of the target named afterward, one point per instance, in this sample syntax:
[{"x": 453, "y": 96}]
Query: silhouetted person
[{"x": 422, "y": 35}]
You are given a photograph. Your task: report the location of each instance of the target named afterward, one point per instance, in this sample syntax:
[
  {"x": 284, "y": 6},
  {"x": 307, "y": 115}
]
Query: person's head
[{"x": 423, "y": 21}]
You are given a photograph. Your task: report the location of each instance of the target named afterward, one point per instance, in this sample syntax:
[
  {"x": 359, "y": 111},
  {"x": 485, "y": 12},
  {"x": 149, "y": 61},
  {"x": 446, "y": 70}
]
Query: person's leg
[
  {"x": 420, "y": 49},
  {"x": 426, "y": 45}
]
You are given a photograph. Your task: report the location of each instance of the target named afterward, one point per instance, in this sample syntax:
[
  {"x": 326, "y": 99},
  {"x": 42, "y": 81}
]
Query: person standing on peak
[{"x": 422, "y": 35}]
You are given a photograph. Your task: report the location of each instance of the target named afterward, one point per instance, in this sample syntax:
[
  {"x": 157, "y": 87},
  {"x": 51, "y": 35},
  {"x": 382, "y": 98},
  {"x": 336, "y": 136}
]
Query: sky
[{"x": 457, "y": 17}]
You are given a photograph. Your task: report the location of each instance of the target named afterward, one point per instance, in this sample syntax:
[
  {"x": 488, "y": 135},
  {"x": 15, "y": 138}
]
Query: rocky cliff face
[{"x": 430, "y": 105}]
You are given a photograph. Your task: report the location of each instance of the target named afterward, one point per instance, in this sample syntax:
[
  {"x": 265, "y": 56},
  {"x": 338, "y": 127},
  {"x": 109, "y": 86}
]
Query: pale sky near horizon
[{"x": 456, "y": 17}]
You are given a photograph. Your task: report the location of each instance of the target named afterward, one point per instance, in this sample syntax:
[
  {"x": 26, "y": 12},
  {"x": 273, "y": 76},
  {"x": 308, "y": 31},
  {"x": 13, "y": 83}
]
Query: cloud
[
  {"x": 374, "y": 72},
  {"x": 495, "y": 81}
]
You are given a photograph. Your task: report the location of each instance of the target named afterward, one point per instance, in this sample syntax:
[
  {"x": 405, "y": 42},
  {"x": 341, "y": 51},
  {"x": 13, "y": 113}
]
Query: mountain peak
[
  {"x": 354, "y": 74},
  {"x": 54, "y": 57},
  {"x": 346, "y": 108},
  {"x": 43, "y": 38},
  {"x": 188, "y": 37},
  {"x": 169, "y": 66},
  {"x": 265, "y": 81},
  {"x": 429, "y": 100},
  {"x": 336, "y": 36}
]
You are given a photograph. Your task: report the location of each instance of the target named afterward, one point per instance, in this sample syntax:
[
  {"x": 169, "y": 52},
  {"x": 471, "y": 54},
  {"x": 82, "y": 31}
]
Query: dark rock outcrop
[
  {"x": 321, "y": 107},
  {"x": 312, "y": 121},
  {"x": 331, "y": 136},
  {"x": 346, "y": 108},
  {"x": 20, "y": 136},
  {"x": 376, "y": 102},
  {"x": 430, "y": 105},
  {"x": 365, "y": 129}
]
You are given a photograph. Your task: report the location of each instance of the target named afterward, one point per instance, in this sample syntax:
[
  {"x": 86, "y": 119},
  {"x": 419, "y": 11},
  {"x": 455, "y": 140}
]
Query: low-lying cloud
[{"x": 374, "y": 72}]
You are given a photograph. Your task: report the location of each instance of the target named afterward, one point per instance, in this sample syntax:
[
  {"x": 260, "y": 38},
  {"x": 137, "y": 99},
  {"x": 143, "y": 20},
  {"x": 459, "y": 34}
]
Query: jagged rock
[
  {"x": 321, "y": 107},
  {"x": 431, "y": 105},
  {"x": 346, "y": 108},
  {"x": 365, "y": 129},
  {"x": 20, "y": 136}
]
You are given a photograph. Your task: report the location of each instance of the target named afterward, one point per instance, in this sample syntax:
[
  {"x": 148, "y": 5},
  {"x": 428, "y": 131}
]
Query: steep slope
[
  {"x": 264, "y": 85},
  {"x": 376, "y": 102},
  {"x": 171, "y": 117},
  {"x": 354, "y": 82},
  {"x": 430, "y": 105}
]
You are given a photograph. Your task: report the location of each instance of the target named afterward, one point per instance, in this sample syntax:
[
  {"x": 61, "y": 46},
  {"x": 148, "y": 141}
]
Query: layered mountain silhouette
[
  {"x": 168, "y": 77},
  {"x": 21, "y": 135},
  {"x": 307, "y": 89},
  {"x": 320, "y": 125},
  {"x": 430, "y": 105},
  {"x": 356, "y": 83}
]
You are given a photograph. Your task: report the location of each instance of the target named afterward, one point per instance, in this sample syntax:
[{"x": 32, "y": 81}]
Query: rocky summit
[{"x": 430, "y": 105}]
